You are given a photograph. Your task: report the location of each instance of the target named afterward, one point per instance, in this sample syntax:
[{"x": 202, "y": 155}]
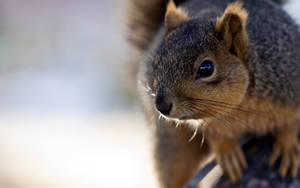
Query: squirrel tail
[{"x": 145, "y": 17}]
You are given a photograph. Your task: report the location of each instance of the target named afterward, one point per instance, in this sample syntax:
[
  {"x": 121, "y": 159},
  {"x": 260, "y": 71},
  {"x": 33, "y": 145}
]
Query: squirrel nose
[{"x": 163, "y": 104}]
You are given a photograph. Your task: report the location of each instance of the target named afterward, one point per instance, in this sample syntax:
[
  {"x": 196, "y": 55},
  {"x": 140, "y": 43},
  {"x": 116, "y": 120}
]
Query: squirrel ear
[
  {"x": 174, "y": 16},
  {"x": 232, "y": 28}
]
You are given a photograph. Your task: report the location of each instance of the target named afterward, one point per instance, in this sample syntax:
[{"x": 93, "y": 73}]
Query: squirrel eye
[{"x": 206, "y": 69}]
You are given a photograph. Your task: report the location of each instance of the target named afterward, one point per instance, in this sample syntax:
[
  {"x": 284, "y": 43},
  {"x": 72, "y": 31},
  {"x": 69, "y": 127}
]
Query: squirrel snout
[
  {"x": 164, "y": 106},
  {"x": 163, "y": 103}
]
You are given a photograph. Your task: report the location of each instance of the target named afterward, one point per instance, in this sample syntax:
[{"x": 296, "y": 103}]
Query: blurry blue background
[{"x": 65, "y": 118}]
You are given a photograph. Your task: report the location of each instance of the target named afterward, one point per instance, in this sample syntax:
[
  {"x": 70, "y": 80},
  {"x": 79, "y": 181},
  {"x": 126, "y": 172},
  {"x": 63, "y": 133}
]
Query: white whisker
[
  {"x": 177, "y": 123},
  {"x": 203, "y": 132},
  {"x": 194, "y": 135}
]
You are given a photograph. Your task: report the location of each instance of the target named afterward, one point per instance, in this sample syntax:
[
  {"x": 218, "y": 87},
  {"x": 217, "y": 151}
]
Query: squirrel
[{"x": 212, "y": 71}]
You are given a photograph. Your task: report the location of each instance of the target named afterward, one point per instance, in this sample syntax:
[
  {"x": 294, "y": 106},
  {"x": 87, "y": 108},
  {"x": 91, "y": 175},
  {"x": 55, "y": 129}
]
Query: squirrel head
[{"x": 201, "y": 64}]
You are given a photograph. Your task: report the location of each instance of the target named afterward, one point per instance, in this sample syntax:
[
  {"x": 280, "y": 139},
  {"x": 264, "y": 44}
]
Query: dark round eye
[{"x": 206, "y": 69}]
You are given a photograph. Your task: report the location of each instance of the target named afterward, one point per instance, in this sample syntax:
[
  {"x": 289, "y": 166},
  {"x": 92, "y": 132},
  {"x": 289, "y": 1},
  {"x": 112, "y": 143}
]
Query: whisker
[
  {"x": 177, "y": 123},
  {"x": 194, "y": 135},
  {"x": 212, "y": 101},
  {"x": 224, "y": 105},
  {"x": 227, "y": 123},
  {"x": 159, "y": 116},
  {"x": 203, "y": 132},
  {"x": 221, "y": 112},
  {"x": 208, "y": 113}
]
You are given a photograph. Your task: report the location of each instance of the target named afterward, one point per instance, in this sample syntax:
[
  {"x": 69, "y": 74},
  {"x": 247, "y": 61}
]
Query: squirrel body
[{"x": 220, "y": 69}]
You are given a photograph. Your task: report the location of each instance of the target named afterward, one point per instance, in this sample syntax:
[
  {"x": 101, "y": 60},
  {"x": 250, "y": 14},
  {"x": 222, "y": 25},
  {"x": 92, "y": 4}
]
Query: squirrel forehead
[
  {"x": 189, "y": 41},
  {"x": 196, "y": 33},
  {"x": 180, "y": 49}
]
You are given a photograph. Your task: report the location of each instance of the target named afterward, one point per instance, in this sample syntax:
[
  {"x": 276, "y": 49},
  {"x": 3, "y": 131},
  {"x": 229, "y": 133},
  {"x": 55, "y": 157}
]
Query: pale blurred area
[{"x": 65, "y": 119}]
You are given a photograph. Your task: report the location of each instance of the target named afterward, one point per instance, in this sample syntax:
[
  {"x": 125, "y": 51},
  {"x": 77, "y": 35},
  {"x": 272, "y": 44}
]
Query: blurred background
[{"x": 65, "y": 118}]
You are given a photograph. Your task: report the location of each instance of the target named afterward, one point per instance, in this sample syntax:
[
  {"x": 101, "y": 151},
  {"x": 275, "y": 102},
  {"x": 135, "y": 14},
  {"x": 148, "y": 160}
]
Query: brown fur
[
  {"x": 255, "y": 115},
  {"x": 177, "y": 159},
  {"x": 232, "y": 26},
  {"x": 287, "y": 145},
  {"x": 233, "y": 9},
  {"x": 232, "y": 90},
  {"x": 174, "y": 16},
  {"x": 222, "y": 100},
  {"x": 258, "y": 116},
  {"x": 227, "y": 65}
]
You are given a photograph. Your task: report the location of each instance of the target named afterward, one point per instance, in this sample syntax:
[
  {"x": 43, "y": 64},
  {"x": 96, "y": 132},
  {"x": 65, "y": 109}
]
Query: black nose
[{"x": 163, "y": 104}]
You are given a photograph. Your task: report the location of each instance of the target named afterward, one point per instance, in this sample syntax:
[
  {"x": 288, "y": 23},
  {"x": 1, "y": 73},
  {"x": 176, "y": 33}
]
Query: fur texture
[
  {"x": 174, "y": 17},
  {"x": 254, "y": 47}
]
